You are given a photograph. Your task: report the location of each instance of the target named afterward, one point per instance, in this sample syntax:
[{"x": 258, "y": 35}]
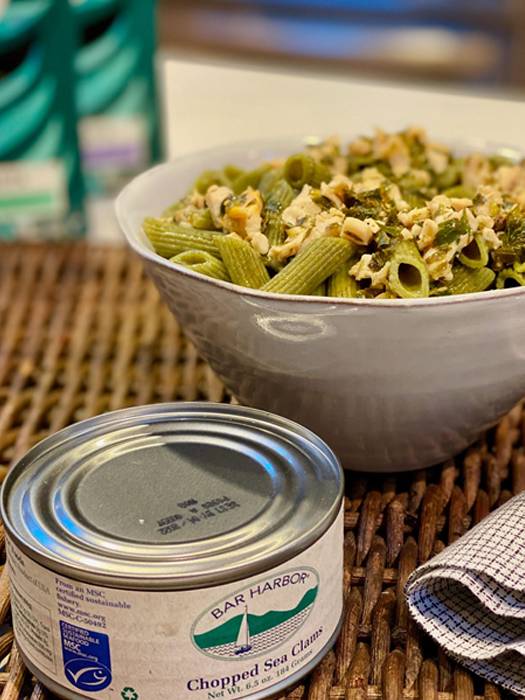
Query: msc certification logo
[
  {"x": 258, "y": 618},
  {"x": 87, "y": 675},
  {"x": 87, "y": 663}
]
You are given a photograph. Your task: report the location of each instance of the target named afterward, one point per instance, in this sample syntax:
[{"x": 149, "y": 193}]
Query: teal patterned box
[
  {"x": 116, "y": 91},
  {"x": 41, "y": 185}
]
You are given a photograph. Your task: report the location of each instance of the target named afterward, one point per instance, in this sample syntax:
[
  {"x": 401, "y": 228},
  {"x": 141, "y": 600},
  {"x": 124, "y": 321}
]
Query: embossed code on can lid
[{"x": 176, "y": 495}]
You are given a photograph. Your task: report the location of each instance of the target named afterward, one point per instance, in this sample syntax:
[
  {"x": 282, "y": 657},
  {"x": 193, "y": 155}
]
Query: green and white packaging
[
  {"x": 41, "y": 185},
  {"x": 116, "y": 91}
]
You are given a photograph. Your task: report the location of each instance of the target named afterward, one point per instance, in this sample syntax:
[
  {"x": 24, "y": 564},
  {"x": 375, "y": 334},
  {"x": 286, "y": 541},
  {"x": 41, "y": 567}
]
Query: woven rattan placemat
[{"x": 82, "y": 332}]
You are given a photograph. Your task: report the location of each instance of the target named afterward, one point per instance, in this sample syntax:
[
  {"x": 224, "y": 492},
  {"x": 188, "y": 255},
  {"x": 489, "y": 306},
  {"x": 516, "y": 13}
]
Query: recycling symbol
[{"x": 129, "y": 694}]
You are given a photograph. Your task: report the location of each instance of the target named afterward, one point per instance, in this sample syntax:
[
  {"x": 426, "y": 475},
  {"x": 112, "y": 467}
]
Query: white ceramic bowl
[{"x": 390, "y": 384}]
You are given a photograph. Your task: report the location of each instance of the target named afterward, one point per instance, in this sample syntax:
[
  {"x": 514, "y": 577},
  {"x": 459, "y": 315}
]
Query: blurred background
[
  {"x": 463, "y": 42},
  {"x": 82, "y": 81}
]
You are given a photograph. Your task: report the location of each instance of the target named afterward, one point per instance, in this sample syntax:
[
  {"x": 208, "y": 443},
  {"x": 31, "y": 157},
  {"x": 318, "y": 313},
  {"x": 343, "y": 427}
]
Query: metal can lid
[{"x": 169, "y": 496}]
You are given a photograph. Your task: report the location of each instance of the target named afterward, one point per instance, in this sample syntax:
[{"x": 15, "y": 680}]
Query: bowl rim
[{"x": 153, "y": 257}]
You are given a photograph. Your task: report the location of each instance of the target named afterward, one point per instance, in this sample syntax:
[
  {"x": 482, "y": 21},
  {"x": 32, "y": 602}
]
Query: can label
[
  {"x": 235, "y": 640},
  {"x": 33, "y": 199}
]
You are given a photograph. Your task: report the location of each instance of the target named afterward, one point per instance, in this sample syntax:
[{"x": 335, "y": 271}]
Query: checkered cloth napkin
[{"x": 470, "y": 598}]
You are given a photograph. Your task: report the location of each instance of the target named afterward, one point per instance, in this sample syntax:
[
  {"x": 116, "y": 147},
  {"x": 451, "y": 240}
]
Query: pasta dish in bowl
[{"x": 372, "y": 291}]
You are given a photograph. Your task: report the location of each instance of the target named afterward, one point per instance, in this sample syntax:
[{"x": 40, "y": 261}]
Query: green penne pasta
[
  {"x": 510, "y": 278},
  {"x": 475, "y": 254},
  {"x": 232, "y": 172},
  {"x": 209, "y": 178},
  {"x": 356, "y": 163},
  {"x": 414, "y": 199},
  {"x": 301, "y": 169},
  {"x": 250, "y": 178},
  {"x": 200, "y": 261},
  {"x": 320, "y": 291},
  {"x": 173, "y": 209},
  {"x": 461, "y": 191},
  {"x": 408, "y": 276},
  {"x": 202, "y": 219},
  {"x": 503, "y": 257},
  {"x": 467, "y": 280},
  {"x": 497, "y": 160},
  {"x": 278, "y": 199},
  {"x": 514, "y": 234},
  {"x": 341, "y": 285},
  {"x": 169, "y": 239},
  {"x": 311, "y": 266},
  {"x": 269, "y": 180},
  {"x": 243, "y": 263},
  {"x": 280, "y": 195},
  {"x": 449, "y": 177}
]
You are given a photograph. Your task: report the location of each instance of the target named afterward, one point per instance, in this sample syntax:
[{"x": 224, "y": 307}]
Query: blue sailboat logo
[{"x": 243, "y": 645}]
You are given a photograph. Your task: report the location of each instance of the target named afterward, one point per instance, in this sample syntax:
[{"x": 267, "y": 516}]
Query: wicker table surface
[{"x": 82, "y": 332}]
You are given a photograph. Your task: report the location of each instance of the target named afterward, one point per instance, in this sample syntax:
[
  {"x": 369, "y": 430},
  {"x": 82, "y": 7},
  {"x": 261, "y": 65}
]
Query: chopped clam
[
  {"x": 215, "y": 196},
  {"x": 357, "y": 231},
  {"x": 439, "y": 263},
  {"x": 460, "y": 203},
  {"x": 411, "y": 217},
  {"x": 302, "y": 208},
  {"x": 491, "y": 238},
  {"x": 243, "y": 217},
  {"x": 362, "y": 271},
  {"x": 327, "y": 223},
  {"x": 438, "y": 160},
  {"x": 360, "y": 147},
  {"x": 427, "y": 234}
]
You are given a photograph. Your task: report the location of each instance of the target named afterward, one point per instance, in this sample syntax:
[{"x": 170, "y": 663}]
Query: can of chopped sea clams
[{"x": 176, "y": 551}]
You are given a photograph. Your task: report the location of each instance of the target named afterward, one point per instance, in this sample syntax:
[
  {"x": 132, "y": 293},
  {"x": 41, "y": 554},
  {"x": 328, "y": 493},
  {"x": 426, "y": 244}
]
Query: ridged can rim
[{"x": 231, "y": 492}]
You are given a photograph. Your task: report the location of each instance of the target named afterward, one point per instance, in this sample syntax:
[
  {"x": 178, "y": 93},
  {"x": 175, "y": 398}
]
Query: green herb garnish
[{"x": 451, "y": 230}]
